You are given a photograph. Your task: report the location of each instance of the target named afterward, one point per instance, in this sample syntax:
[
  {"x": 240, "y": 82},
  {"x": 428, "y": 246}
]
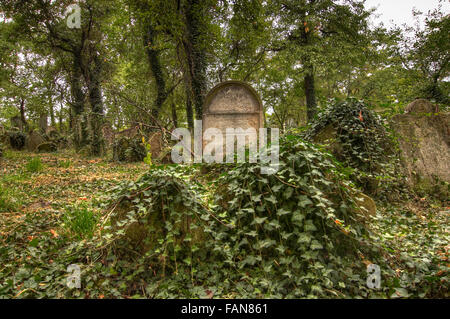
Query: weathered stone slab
[
  {"x": 34, "y": 139},
  {"x": 16, "y": 122},
  {"x": 232, "y": 104},
  {"x": 425, "y": 146},
  {"x": 156, "y": 143},
  {"x": 108, "y": 134},
  {"x": 421, "y": 106}
]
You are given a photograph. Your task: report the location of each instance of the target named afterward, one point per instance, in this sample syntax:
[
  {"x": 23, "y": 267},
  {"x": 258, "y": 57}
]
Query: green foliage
[
  {"x": 158, "y": 215},
  {"x": 362, "y": 142},
  {"x": 65, "y": 163},
  {"x": 293, "y": 234},
  {"x": 420, "y": 245},
  {"x": 80, "y": 220},
  {"x": 34, "y": 165},
  {"x": 177, "y": 233},
  {"x": 7, "y": 201},
  {"x": 428, "y": 53},
  {"x": 148, "y": 158}
]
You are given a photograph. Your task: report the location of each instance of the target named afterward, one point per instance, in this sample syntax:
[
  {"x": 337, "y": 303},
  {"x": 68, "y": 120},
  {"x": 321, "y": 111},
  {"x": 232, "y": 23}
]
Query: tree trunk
[
  {"x": 60, "y": 119},
  {"x": 52, "y": 114},
  {"x": 95, "y": 99},
  {"x": 310, "y": 92},
  {"x": 190, "y": 114},
  {"x": 22, "y": 115},
  {"x": 78, "y": 125},
  {"x": 174, "y": 115},
  {"x": 43, "y": 123},
  {"x": 308, "y": 68},
  {"x": 195, "y": 53},
  {"x": 157, "y": 70}
]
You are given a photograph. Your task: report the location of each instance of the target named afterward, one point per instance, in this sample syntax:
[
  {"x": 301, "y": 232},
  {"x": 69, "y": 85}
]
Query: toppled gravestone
[
  {"x": 424, "y": 141},
  {"x": 158, "y": 148},
  {"x": 47, "y": 147},
  {"x": 129, "y": 145},
  {"x": 16, "y": 122}
]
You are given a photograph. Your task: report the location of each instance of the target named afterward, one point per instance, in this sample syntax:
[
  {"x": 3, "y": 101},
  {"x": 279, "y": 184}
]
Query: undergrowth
[{"x": 298, "y": 233}]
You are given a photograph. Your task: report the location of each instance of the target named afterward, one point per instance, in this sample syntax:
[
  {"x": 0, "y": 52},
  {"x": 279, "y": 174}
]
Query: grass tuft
[
  {"x": 81, "y": 221},
  {"x": 34, "y": 165}
]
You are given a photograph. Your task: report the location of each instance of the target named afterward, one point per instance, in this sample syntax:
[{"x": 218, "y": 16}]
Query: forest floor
[{"x": 35, "y": 195}]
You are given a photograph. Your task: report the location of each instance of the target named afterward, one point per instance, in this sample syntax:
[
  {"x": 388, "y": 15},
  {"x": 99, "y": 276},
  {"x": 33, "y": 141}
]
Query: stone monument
[{"x": 232, "y": 104}]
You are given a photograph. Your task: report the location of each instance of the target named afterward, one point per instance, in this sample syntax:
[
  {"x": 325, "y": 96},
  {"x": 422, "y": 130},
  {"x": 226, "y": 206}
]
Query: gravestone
[
  {"x": 108, "y": 133},
  {"x": 424, "y": 142},
  {"x": 232, "y": 104},
  {"x": 33, "y": 140},
  {"x": 16, "y": 122},
  {"x": 421, "y": 106}
]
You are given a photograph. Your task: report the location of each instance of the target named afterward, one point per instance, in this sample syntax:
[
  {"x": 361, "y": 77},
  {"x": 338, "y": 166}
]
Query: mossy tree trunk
[
  {"x": 194, "y": 46},
  {"x": 154, "y": 60},
  {"x": 79, "y": 127},
  {"x": 96, "y": 102}
]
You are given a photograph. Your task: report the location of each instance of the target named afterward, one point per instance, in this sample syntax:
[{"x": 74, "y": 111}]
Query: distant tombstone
[
  {"x": 155, "y": 141},
  {"x": 43, "y": 123},
  {"x": 421, "y": 106},
  {"x": 108, "y": 133},
  {"x": 33, "y": 140},
  {"x": 232, "y": 104},
  {"x": 16, "y": 122}
]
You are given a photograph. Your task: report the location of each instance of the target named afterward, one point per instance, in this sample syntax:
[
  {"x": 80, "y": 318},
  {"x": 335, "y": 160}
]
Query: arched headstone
[{"x": 232, "y": 104}]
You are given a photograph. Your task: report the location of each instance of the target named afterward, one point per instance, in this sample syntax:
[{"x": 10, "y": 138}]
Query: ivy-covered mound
[
  {"x": 17, "y": 139},
  {"x": 155, "y": 216},
  {"x": 297, "y": 233},
  {"x": 358, "y": 139}
]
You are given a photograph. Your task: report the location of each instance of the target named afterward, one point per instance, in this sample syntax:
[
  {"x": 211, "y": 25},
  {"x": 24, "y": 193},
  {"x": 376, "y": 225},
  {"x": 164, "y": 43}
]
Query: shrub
[
  {"x": 359, "y": 140},
  {"x": 65, "y": 164},
  {"x": 17, "y": 140},
  {"x": 127, "y": 149},
  {"x": 296, "y": 233}
]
